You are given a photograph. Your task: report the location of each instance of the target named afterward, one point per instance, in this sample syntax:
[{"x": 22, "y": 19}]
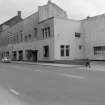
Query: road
[{"x": 47, "y": 85}]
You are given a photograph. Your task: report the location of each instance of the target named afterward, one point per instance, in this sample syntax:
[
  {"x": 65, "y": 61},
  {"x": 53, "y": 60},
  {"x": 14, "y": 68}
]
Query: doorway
[
  {"x": 32, "y": 55},
  {"x": 35, "y": 55}
]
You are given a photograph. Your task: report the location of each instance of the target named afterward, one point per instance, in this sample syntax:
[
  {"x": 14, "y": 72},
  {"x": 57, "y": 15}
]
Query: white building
[
  {"x": 93, "y": 29},
  {"x": 48, "y": 35}
]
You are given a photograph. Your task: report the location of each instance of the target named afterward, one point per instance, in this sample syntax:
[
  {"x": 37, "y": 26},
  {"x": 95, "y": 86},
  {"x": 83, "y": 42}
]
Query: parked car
[{"x": 6, "y": 60}]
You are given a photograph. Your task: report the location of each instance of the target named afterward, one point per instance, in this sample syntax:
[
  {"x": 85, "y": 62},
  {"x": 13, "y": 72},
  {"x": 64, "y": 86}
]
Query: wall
[
  {"x": 64, "y": 34},
  {"x": 29, "y": 24},
  {"x": 46, "y": 40},
  {"x": 94, "y": 32},
  {"x": 50, "y": 10},
  {"x": 37, "y": 45}
]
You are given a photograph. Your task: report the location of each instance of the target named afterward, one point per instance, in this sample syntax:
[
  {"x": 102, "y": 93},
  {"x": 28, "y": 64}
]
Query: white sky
[{"x": 76, "y": 9}]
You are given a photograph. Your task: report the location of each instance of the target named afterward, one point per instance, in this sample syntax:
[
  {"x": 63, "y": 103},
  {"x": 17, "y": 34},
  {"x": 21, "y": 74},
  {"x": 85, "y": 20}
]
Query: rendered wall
[
  {"x": 64, "y": 34},
  {"x": 94, "y": 32},
  {"x": 50, "y": 10}
]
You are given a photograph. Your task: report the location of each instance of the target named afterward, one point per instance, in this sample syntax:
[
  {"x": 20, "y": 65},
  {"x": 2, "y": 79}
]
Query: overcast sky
[{"x": 76, "y": 9}]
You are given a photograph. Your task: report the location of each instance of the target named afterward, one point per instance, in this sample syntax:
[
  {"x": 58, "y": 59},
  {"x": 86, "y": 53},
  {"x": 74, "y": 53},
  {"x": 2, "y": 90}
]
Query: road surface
[{"x": 47, "y": 85}]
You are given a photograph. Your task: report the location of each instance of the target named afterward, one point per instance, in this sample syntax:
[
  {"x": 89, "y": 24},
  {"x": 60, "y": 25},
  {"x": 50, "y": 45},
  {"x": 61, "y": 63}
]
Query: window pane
[
  {"x": 67, "y": 46},
  {"x": 46, "y": 32},
  {"x": 49, "y": 31},
  {"x": 62, "y": 52},
  {"x": 67, "y": 52},
  {"x": 77, "y": 34},
  {"x": 43, "y": 33},
  {"x": 62, "y": 46},
  {"x": 35, "y": 29}
]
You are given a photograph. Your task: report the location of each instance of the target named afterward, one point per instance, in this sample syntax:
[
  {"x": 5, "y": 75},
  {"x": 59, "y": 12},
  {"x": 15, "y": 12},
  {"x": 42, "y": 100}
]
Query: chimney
[
  {"x": 49, "y": 1},
  {"x": 19, "y": 13},
  {"x": 87, "y": 17}
]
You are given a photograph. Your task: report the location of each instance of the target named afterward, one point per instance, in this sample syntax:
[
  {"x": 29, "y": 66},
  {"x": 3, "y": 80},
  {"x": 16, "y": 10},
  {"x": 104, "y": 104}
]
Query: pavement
[
  {"x": 48, "y": 64},
  {"x": 95, "y": 65}
]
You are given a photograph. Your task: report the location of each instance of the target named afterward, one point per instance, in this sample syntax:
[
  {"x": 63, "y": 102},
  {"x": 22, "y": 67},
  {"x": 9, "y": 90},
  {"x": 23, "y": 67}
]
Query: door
[{"x": 35, "y": 55}]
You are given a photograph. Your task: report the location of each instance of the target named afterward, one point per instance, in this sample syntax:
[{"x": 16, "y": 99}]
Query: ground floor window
[
  {"x": 64, "y": 50},
  {"x": 31, "y": 55},
  {"x": 46, "y": 51},
  {"x": 20, "y": 55},
  {"x": 99, "y": 50},
  {"x": 14, "y": 53},
  {"x": 7, "y": 54}
]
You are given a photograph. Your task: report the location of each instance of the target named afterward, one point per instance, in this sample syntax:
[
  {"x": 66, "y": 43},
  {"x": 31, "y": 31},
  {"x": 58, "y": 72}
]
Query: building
[
  {"x": 93, "y": 29},
  {"x": 11, "y": 22},
  {"x": 48, "y": 35}
]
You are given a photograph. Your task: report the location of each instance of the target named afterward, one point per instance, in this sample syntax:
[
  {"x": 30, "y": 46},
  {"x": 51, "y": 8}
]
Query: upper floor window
[
  {"x": 49, "y": 31},
  {"x": 29, "y": 36},
  {"x": 21, "y": 35},
  {"x": 46, "y": 32},
  {"x": 17, "y": 39},
  {"x": 14, "y": 39},
  {"x": 43, "y": 33},
  {"x": 35, "y": 32},
  {"x": 77, "y": 35}
]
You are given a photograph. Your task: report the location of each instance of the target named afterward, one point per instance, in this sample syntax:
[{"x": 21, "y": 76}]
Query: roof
[
  {"x": 94, "y": 17},
  {"x": 14, "y": 20}
]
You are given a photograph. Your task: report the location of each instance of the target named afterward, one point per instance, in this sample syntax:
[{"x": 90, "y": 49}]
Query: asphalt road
[{"x": 47, "y": 85}]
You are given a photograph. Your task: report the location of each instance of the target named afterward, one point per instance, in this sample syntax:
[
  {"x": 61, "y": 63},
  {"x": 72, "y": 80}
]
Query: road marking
[
  {"x": 70, "y": 75},
  {"x": 39, "y": 70},
  {"x": 14, "y": 92}
]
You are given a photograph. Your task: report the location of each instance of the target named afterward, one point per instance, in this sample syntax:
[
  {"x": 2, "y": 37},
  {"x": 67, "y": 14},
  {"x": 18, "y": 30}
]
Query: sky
[{"x": 76, "y": 9}]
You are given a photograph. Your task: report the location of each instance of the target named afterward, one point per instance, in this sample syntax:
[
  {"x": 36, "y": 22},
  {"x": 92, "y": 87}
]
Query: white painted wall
[
  {"x": 64, "y": 33},
  {"x": 50, "y": 10},
  {"x": 94, "y": 32}
]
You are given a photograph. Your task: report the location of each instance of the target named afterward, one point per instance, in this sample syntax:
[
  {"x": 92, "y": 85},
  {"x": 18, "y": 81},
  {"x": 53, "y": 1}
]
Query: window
[
  {"x": 35, "y": 32},
  {"x": 99, "y": 50},
  {"x": 43, "y": 33},
  {"x": 67, "y": 50},
  {"x": 17, "y": 37},
  {"x": 77, "y": 35},
  {"x": 49, "y": 31},
  {"x": 46, "y": 51},
  {"x": 46, "y": 32},
  {"x": 29, "y": 36},
  {"x": 14, "y": 39},
  {"x": 7, "y": 54},
  {"x": 8, "y": 40},
  {"x": 21, "y": 35},
  {"x": 62, "y": 50}
]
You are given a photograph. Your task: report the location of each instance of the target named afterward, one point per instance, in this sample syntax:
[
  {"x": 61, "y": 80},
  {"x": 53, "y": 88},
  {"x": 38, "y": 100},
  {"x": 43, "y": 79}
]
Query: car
[{"x": 6, "y": 60}]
